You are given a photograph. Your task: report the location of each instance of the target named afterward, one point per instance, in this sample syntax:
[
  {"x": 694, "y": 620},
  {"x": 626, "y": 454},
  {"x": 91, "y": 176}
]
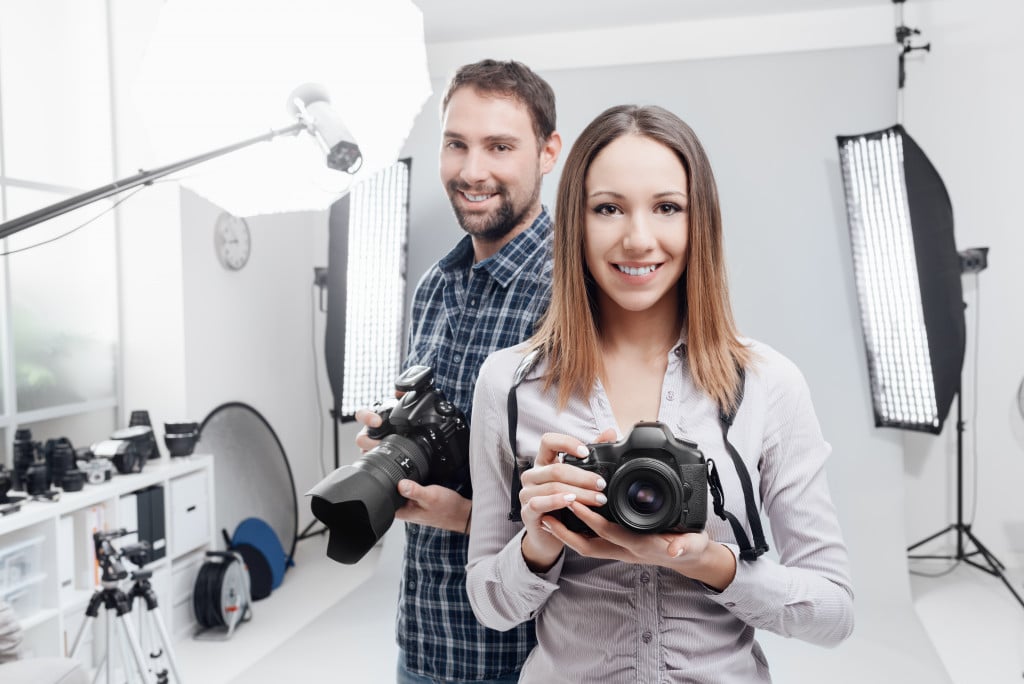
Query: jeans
[{"x": 406, "y": 677}]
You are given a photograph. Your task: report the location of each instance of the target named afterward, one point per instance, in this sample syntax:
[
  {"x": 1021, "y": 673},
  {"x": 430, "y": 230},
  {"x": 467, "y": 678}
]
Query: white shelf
[
  {"x": 154, "y": 472},
  {"x": 62, "y": 571},
  {"x": 38, "y": 618}
]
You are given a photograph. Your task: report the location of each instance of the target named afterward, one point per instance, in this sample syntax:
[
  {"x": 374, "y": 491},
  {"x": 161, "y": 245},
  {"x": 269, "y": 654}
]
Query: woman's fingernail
[
  {"x": 601, "y": 484},
  {"x": 561, "y": 457},
  {"x": 678, "y": 553},
  {"x": 570, "y": 497},
  {"x": 582, "y": 451},
  {"x": 547, "y": 528},
  {"x": 602, "y": 499}
]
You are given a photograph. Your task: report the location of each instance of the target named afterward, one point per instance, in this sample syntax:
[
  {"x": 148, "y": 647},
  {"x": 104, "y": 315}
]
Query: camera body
[
  {"x": 656, "y": 482},
  {"x": 423, "y": 437},
  {"x": 436, "y": 426}
]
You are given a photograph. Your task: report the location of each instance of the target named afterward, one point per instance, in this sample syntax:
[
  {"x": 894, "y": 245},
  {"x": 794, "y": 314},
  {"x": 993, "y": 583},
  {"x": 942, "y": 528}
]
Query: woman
[{"x": 640, "y": 329}]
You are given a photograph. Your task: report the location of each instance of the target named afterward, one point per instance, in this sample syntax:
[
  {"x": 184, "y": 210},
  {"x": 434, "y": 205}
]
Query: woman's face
[{"x": 636, "y": 229}]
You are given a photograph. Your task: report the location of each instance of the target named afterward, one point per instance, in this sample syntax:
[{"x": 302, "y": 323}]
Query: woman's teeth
[{"x": 643, "y": 270}]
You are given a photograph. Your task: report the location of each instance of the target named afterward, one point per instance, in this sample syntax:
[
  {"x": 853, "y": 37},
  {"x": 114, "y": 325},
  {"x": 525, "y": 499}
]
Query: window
[{"x": 58, "y": 310}]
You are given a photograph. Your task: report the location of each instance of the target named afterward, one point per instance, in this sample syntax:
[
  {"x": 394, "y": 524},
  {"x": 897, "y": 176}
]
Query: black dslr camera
[
  {"x": 424, "y": 437},
  {"x": 656, "y": 482}
]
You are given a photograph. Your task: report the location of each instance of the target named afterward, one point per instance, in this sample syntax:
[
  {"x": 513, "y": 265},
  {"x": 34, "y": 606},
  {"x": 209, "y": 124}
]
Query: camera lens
[
  {"x": 645, "y": 495},
  {"x": 357, "y": 503}
]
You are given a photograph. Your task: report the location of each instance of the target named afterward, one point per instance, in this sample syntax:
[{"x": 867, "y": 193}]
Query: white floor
[
  {"x": 975, "y": 623},
  {"x": 335, "y": 623}
]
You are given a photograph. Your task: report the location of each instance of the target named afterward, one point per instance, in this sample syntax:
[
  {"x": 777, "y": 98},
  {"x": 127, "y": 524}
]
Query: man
[{"x": 498, "y": 141}]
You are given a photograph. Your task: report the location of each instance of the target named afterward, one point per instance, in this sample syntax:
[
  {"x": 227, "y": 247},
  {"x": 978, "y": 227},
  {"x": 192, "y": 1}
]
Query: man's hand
[
  {"x": 369, "y": 419},
  {"x": 434, "y": 506}
]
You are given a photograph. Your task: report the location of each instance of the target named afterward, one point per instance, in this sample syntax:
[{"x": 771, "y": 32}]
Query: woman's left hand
[{"x": 693, "y": 554}]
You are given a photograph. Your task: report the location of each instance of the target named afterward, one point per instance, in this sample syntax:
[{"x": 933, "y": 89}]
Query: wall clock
[{"x": 232, "y": 241}]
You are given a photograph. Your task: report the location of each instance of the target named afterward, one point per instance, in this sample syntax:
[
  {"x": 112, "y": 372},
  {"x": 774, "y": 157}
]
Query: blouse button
[
  {"x": 647, "y": 636},
  {"x": 671, "y": 395},
  {"x": 645, "y": 578}
]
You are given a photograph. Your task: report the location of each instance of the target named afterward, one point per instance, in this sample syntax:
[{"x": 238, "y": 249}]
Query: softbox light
[
  {"x": 907, "y": 272},
  {"x": 369, "y": 232}
]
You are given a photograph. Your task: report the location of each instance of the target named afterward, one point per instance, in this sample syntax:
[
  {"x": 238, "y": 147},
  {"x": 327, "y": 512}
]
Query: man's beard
[{"x": 499, "y": 223}]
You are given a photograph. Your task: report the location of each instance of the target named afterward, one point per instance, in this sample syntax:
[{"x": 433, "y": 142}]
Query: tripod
[
  {"x": 991, "y": 564},
  {"x": 114, "y": 601},
  {"x": 119, "y": 604}
]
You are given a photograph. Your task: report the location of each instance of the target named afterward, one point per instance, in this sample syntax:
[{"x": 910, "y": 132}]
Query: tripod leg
[
  {"x": 166, "y": 642},
  {"x": 110, "y": 649},
  {"x": 78, "y": 637},
  {"x": 133, "y": 642},
  {"x": 995, "y": 564}
]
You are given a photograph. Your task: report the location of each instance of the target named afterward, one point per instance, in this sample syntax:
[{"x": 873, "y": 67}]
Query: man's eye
[{"x": 502, "y": 148}]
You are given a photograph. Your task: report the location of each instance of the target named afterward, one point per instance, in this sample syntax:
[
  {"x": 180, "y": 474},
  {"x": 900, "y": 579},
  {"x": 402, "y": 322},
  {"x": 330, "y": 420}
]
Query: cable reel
[{"x": 221, "y": 599}]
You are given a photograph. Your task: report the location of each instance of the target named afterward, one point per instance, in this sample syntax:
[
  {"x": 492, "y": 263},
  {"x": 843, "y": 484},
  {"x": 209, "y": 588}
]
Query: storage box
[
  {"x": 190, "y": 521},
  {"x": 22, "y": 575},
  {"x": 20, "y": 563}
]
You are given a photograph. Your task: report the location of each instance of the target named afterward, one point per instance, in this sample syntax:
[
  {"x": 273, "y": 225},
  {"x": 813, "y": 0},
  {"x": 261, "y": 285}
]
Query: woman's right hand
[{"x": 550, "y": 486}]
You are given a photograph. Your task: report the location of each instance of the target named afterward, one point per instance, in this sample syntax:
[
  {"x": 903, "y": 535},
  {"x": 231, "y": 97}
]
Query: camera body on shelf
[{"x": 656, "y": 482}]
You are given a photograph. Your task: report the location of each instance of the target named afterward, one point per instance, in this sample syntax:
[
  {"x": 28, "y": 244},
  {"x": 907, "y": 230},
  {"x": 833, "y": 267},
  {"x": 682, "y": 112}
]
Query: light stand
[
  {"x": 972, "y": 261},
  {"x": 308, "y": 103},
  {"x": 142, "y": 178}
]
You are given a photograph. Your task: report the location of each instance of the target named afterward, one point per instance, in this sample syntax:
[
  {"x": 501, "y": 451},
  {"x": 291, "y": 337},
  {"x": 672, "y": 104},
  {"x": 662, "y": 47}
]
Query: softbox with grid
[{"x": 907, "y": 270}]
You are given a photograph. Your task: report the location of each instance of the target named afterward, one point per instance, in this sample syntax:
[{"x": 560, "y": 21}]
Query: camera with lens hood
[
  {"x": 656, "y": 482},
  {"x": 423, "y": 437}
]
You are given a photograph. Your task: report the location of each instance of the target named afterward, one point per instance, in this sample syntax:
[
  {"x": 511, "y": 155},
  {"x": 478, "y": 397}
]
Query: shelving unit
[{"x": 57, "y": 575}]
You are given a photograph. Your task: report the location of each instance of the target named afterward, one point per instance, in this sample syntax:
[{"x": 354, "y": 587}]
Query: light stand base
[{"x": 991, "y": 565}]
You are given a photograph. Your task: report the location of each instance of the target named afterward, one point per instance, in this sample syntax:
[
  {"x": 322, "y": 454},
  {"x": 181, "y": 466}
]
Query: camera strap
[
  {"x": 725, "y": 419},
  {"x": 747, "y": 551},
  {"x": 522, "y": 370}
]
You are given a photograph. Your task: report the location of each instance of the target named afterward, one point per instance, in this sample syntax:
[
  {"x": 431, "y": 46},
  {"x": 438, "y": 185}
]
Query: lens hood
[{"x": 357, "y": 504}]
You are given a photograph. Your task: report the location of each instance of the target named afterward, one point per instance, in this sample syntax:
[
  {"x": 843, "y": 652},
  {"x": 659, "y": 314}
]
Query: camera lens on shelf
[
  {"x": 180, "y": 437},
  {"x": 24, "y": 457},
  {"x": 73, "y": 481},
  {"x": 35, "y": 479}
]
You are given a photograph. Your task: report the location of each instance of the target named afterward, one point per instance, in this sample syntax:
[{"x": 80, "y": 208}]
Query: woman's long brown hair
[{"x": 569, "y": 335}]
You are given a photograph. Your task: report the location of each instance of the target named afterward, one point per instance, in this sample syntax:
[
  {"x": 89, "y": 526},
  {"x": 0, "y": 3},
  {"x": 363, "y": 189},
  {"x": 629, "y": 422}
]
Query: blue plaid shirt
[{"x": 462, "y": 312}]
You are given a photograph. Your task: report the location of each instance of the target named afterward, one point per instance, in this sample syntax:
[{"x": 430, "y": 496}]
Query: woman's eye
[
  {"x": 606, "y": 209},
  {"x": 668, "y": 208}
]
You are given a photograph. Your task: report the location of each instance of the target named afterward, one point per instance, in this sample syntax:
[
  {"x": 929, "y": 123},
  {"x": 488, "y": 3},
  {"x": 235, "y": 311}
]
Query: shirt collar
[{"x": 506, "y": 263}]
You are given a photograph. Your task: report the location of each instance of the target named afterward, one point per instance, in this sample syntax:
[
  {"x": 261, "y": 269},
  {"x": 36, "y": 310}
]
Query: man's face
[{"x": 491, "y": 166}]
